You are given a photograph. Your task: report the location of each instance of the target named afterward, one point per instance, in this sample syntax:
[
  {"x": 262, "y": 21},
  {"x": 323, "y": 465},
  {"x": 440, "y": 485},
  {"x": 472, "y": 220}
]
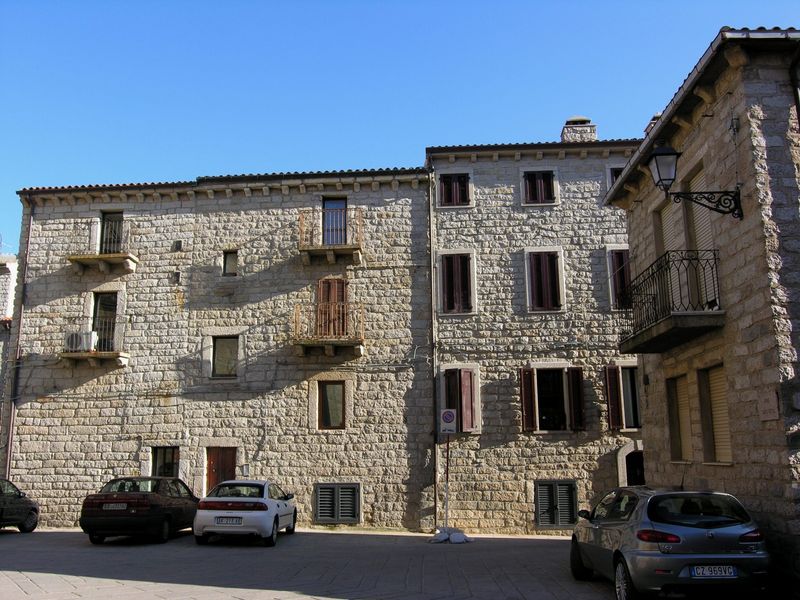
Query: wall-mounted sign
[{"x": 447, "y": 420}]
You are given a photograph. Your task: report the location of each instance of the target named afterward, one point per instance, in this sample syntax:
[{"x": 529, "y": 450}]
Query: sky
[{"x": 102, "y": 92}]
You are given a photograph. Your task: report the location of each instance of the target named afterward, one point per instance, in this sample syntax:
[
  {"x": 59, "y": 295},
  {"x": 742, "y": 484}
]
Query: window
[
  {"x": 556, "y": 503},
  {"x": 331, "y": 404},
  {"x": 337, "y": 502},
  {"x": 460, "y": 394},
  {"x": 622, "y": 395},
  {"x": 614, "y": 173},
  {"x": 544, "y": 281},
  {"x": 619, "y": 267},
  {"x": 230, "y": 262},
  {"x": 225, "y": 356},
  {"x": 552, "y": 399},
  {"x": 334, "y": 221},
  {"x": 540, "y": 187},
  {"x": 454, "y": 190},
  {"x": 680, "y": 424},
  {"x": 111, "y": 233},
  {"x": 457, "y": 283},
  {"x": 104, "y": 320},
  {"x": 714, "y": 413},
  {"x": 165, "y": 461}
]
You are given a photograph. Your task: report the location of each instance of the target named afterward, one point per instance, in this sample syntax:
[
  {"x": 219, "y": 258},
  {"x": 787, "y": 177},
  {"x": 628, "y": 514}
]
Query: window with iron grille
[
  {"x": 165, "y": 461},
  {"x": 111, "y": 233},
  {"x": 556, "y": 503},
  {"x": 337, "y": 503},
  {"x": 552, "y": 399},
  {"x": 540, "y": 187},
  {"x": 454, "y": 189}
]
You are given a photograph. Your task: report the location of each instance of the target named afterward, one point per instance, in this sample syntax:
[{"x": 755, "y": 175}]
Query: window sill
[
  {"x": 552, "y": 432},
  {"x": 630, "y": 430},
  {"x": 223, "y": 379},
  {"x": 557, "y": 311},
  {"x": 680, "y": 462},
  {"x": 455, "y": 206},
  {"x": 717, "y": 464},
  {"x": 539, "y": 204},
  {"x": 458, "y": 314}
]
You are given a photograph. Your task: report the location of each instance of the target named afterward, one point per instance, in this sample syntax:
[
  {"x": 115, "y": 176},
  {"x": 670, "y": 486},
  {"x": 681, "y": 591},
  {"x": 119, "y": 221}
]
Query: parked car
[
  {"x": 646, "y": 540},
  {"x": 245, "y": 507},
  {"x": 16, "y": 508},
  {"x": 138, "y": 506}
]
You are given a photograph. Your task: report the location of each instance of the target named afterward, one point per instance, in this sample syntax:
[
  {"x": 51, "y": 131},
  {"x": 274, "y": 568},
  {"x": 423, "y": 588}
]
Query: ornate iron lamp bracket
[{"x": 726, "y": 203}]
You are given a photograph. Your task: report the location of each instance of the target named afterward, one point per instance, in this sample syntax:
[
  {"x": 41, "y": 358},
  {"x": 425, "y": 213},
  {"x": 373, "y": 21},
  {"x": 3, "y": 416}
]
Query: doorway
[{"x": 220, "y": 465}]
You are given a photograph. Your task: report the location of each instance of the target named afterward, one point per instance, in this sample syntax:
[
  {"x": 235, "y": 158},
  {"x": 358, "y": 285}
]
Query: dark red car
[{"x": 156, "y": 507}]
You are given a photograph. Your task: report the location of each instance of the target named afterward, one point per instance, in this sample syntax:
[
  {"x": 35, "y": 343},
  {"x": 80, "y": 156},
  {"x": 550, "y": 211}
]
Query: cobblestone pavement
[{"x": 62, "y": 564}]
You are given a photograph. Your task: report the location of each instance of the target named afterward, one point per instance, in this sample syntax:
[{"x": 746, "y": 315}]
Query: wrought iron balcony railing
[
  {"x": 331, "y": 232},
  {"x": 680, "y": 282},
  {"x": 112, "y": 248},
  {"x": 328, "y": 324},
  {"x": 101, "y": 339}
]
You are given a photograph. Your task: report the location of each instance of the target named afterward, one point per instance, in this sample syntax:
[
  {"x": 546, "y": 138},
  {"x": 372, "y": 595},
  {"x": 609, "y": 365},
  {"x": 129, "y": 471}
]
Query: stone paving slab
[{"x": 61, "y": 564}]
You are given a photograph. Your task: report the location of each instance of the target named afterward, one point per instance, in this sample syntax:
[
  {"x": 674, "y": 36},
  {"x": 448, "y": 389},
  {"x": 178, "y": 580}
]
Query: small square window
[
  {"x": 454, "y": 190},
  {"x": 225, "y": 356},
  {"x": 615, "y": 172},
  {"x": 556, "y": 503},
  {"x": 230, "y": 262},
  {"x": 331, "y": 405},
  {"x": 165, "y": 461},
  {"x": 540, "y": 187},
  {"x": 337, "y": 503}
]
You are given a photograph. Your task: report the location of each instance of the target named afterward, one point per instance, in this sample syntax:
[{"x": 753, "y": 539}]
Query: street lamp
[{"x": 663, "y": 165}]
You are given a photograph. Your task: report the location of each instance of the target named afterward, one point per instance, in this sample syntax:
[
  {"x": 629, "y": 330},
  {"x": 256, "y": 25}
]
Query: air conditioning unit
[{"x": 81, "y": 341}]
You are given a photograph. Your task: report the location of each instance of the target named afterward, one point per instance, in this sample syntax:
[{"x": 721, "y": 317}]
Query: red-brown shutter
[
  {"x": 537, "y": 302},
  {"x": 575, "y": 390},
  {"x": 467, "y": 400},
  {"x": 448, "y": 285},
  {"x": 621, "y": 279},
  {"x": 526, "y": 400},
  {"x": 451, "y": 389},
  {"x": 552, "y": 287},
  {"x": 445, "y": 192},
  {"x": 465, "y": 283},
  {"x": 613, "y": 397}
]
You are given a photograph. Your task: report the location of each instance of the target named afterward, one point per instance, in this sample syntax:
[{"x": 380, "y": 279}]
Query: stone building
[
  {"x": 265, "y": 326},
  {"x": 8, "y": 280},
  {"x": 715, "y": 289},
  {"x": 530, "y": 283}
]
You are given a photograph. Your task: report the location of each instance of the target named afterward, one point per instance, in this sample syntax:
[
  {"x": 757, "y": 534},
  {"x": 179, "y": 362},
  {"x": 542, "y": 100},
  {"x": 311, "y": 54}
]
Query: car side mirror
[
  {"x": 22, "y": 494},
  {"x": 288, "y": 496},
  {"x": 585, "y": 514}
]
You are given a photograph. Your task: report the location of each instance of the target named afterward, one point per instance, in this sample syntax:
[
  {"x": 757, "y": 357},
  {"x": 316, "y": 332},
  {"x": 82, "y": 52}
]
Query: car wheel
[
  {"x": 290, "y": 528},
  {"x": 579, "y": 571},
  {"x": 96, "y": 539},
  {"x": 30, "y": 522},
  {"x": 201, "y": 540},
  {"x": 623, "y": 586},
  {"x": 163, "y": 534},
  {"x": 272, "y": 538}
]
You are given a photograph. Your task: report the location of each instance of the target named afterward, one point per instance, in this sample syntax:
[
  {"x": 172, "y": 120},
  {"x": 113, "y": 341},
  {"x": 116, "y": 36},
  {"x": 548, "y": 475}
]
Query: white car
[{"x": 245, "y": 507}]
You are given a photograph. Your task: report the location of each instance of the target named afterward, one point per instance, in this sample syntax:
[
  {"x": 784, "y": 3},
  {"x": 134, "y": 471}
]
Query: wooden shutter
[
  {"x": 538, "y": 300},
  {"x": 701, "y": 216},
  {"x": 720, "y": 419},
  {"x": 348, "y": 504},
  {"x": 446, "y": 190},
  {"x": 465, "y": 282},
  {"x": 527, "y": 399},
  {"x": 467, "y": 403},
  {"x": 461, "y": 190},
  {"x": 555, "y": 503},
  {"x": 539, "y": 188},
  {"x": 613, "y": 397},
  {"x": 452, "y": 389},
  {"x": 326, "y": 504},
  {"x": 575, "y": 390},
  {"x": 684, "y": 417},
  {"x": 565, "y": 503},
  {"x": 545, "y": 503},
  {"x": 545, "y": 288},
  {"x": 448, "y": 285}
]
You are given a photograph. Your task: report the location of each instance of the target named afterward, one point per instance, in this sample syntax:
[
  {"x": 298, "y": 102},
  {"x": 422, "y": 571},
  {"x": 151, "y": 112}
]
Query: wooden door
[
  {"x": 332, "y": 308},
  {"x": 220, "y": 465}
]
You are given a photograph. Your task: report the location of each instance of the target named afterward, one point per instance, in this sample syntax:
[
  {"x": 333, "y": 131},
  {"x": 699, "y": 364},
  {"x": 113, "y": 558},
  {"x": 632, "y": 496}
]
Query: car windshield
[
  {"x": 697, "y": 510},
  {"x": 130, "y": 485},
  {"x": 238, "y": 490}
]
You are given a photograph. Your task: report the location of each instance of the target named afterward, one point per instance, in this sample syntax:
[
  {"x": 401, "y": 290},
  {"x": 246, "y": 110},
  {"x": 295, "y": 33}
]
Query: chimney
[
  {"x": 652, "y": 122},
  {"x": 579, "y": 129}
]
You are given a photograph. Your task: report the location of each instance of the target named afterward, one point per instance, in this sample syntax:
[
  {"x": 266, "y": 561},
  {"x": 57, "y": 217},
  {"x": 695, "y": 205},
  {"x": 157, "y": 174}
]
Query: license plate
[
  {"x": 115, "y": 506},
  {"x": 712, "y": 571},
  {"x": 228, "y": 520}
]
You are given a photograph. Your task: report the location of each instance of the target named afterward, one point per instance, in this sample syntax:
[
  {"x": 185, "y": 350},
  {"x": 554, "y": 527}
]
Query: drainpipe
[
  {"x": 434, "y": 340},
  {"x": 22, "y": 278},
  {"x": 794, "y": 66}
]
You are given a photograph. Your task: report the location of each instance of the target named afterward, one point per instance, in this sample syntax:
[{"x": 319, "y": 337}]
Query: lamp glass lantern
[{"x": 664, "y": 166}]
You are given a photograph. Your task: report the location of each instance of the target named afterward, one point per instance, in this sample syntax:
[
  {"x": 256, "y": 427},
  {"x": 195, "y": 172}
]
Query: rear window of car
[
  {"x": 705, "y": 511},
  {"x": 239, "y": 490},
  {"x": 118, "y": 486}
]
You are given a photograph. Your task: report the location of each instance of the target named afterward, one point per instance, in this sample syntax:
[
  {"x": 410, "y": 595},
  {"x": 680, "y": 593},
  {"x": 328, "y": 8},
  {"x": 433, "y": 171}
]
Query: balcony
[
  {"x": 102, "y": 342},
  {"x": 331, "y": 232},
  {"x": 112, "y": 249},
  {"x": 329, "y": 325},
  {"x": 675, "y": 300}
]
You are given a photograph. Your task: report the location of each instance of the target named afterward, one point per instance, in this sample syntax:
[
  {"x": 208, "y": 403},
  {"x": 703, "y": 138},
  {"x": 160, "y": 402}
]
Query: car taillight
[
  {"x": 752, "y": 536},
  {"x": 657, "y": 537}
]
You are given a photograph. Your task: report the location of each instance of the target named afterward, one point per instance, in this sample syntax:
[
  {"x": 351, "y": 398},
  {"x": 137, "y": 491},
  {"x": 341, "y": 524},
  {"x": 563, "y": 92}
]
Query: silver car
[
  {"x": 245, "y": 507},
  {"x": 648, "y": 540}
]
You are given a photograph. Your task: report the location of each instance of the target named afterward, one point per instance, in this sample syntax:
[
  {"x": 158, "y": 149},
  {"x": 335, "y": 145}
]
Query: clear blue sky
[{"x": 98, "y": 91}]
